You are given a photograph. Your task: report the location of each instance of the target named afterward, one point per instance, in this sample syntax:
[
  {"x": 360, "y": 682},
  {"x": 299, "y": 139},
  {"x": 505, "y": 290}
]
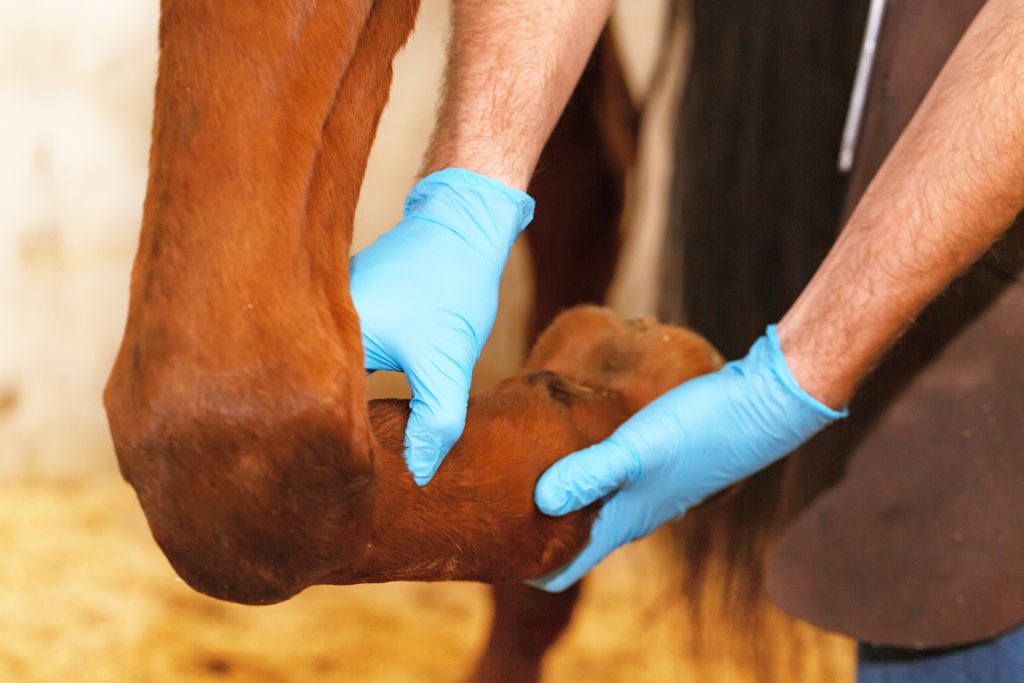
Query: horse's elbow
[{"x": 251, "y": 508}]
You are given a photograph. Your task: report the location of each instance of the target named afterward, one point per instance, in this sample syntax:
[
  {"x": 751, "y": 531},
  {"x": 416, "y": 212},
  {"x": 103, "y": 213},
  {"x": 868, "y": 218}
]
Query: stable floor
[{"x": 85, "y": 595}]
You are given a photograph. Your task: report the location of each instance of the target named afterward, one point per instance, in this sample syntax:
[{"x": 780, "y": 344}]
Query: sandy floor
[{"x": 85, "y": 595}]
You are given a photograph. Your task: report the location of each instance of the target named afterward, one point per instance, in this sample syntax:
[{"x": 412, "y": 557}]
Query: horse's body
[
  {"x": 237, "y": 402},
  {"x": 238, "y": 394}
]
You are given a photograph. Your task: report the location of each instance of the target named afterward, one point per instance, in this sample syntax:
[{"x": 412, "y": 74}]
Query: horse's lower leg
[{"x": 527, "y": 622}]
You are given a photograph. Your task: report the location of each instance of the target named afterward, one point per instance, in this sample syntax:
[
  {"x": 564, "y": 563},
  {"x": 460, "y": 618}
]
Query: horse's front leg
[{"x": 527, "y": 623}]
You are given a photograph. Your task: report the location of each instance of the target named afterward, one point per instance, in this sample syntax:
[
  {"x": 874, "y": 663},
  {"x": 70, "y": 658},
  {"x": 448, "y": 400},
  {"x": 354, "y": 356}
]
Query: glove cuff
[
  {"x": 487, "y": 208},
  {"x": 778, "y": 365}
]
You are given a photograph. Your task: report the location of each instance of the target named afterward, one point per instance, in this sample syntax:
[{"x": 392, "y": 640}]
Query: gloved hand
[
  {"x": 427, "y": 292},
  {"x": 689, "y": 443}
]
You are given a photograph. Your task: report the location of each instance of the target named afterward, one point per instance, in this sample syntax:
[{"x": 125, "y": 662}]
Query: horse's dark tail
[{"x": 755, "y": 204}]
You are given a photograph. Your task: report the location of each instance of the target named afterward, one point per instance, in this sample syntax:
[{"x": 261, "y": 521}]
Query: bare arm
[
  {"x": 952, "y": 183},
  {"x": 512, "y": 66},
  {"x": 949, "y": 188}
]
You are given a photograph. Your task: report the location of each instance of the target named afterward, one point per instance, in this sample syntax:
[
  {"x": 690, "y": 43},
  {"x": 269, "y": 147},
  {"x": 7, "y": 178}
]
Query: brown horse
[{"x": 237, "y": 402}]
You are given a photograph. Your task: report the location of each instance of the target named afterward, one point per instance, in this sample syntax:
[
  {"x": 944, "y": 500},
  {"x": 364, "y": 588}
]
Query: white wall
[
  {"x": 76, "y": 81},
  {"x": 75, "y": 92}
]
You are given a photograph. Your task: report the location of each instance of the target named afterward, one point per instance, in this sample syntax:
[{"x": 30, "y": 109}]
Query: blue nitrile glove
[
  {"x": 427, "y": 292},
  {"x": 693, "y": 441}
]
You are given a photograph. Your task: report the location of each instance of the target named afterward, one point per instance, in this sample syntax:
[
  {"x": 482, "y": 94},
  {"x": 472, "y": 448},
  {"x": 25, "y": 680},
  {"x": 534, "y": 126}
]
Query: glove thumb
[
  {"x": 579, "y": 479},
  {"x": 439, "y": 399}
]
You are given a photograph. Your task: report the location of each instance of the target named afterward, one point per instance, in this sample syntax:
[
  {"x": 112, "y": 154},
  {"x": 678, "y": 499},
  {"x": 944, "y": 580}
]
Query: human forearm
[
  {"x": 427, "y": 297},
  {"x": 512, "y": 66},
  {"x": 952, "y": 183}
]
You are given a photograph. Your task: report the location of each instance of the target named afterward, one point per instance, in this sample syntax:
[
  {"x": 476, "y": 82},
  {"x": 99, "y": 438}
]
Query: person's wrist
[
  {"x": 781, "y": 367},
  {"x": 512, "y": 169},
  {"x": 475, "y": 205},
  {"x": 814, "y": 363}
]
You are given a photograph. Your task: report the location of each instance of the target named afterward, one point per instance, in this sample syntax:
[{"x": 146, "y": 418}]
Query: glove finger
[
  {"x": 439, "y": 399},
  {"x": 578, "y": 479},
  {"x": 605, "y": 536}
]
